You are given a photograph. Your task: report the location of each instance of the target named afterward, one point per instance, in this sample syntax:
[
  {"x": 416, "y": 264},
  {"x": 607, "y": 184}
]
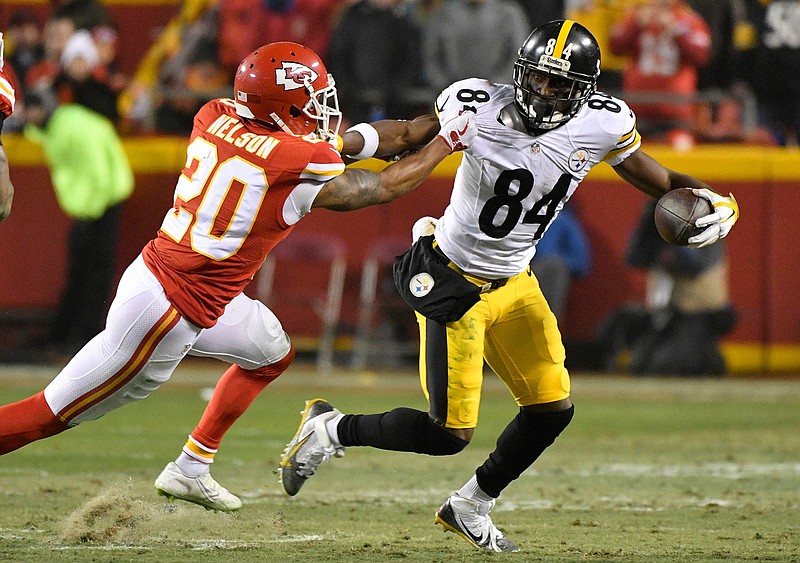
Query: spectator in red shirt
[
  {"x": 668, "y": 43},
  {"x": 245, "y": 24}
]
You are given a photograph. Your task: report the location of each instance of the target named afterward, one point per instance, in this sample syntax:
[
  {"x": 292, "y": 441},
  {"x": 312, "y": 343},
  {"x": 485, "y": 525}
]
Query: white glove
[
  {"x": 460, "y": 131},
  {"x": 717, "y": 224},
  {"x": 423, "y": 227},
  {"x": 7, "y": 96}
]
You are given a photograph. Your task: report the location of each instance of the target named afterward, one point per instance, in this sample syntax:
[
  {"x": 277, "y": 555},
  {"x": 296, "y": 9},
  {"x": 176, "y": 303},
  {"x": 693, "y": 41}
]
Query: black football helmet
[{"x": 555, "y": 73}]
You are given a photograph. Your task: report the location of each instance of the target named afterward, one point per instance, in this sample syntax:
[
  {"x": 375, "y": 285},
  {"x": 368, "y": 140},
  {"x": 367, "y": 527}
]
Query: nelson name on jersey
[
  {"x": 228, "y": 128},
  {"x": 244, "y": 187}
]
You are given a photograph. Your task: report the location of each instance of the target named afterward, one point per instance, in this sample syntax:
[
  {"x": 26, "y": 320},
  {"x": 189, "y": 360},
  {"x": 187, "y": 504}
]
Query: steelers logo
[
  {"x": 578, "y": 159},
  {"x": 421, "y": 284}
]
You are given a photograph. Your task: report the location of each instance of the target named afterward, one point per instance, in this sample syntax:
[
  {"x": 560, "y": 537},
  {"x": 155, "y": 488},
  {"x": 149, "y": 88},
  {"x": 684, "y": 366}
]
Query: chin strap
[{"x": 279, "y": 122}]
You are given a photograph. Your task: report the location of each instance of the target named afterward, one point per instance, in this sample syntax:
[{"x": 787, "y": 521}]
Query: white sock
[
  {"x": 332, "y": 426},
  {"x": 471, "y": 490},
  {"x": 191, "y": 467}
]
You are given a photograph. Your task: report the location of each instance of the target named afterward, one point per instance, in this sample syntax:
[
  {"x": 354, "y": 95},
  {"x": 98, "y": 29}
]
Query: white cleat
[
  {"x": 204, "y": 490},
  {"x": 470, "y": 519},
  {"x": 310, "y": 446}
]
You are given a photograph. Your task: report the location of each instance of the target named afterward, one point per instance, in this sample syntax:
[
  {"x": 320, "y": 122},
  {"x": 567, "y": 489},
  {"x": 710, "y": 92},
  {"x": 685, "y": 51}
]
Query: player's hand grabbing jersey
[
  {"x": 242, "y": 191},
  {"x": 511, "y": 185}
]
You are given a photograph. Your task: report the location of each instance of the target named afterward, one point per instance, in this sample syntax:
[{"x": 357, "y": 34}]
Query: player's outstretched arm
[
  {"x": 388, "y": 137},
  {"x": 651, "y": 177},
  {"x": 357, "y": 188}
]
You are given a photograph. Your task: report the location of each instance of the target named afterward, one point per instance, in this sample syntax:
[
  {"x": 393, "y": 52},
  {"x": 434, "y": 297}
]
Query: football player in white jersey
[{"x": 537, "y": 139}]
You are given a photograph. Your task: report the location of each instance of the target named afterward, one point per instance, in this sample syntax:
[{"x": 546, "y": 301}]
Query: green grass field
[{"x": 653, "y": 470}]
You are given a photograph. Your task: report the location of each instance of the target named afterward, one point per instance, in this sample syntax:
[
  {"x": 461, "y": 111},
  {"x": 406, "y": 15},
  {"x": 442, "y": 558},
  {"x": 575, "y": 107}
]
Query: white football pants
[{"x": 144, "y": 340}]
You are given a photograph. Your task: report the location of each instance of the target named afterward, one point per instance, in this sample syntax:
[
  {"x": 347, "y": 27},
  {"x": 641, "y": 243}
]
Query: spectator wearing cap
[{"x": 80, "y": 78}]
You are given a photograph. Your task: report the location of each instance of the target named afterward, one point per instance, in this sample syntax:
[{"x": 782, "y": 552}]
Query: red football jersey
[
  {"x": 665, "y": 59},
  {"x": 242, "y": 191}
]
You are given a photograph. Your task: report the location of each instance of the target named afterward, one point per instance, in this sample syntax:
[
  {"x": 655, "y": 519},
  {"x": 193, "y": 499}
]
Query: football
[{"x": 676, "y": 213}]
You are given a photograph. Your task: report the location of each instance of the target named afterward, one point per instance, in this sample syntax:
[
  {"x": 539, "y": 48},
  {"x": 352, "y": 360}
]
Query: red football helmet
[{"x": 286, "y": 85}]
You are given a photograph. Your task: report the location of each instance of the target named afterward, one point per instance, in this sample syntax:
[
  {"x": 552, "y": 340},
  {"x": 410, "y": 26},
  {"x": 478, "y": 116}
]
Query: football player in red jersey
[
  {"x": 7, "y": 99},
  {"x": 255, "y": 166}
]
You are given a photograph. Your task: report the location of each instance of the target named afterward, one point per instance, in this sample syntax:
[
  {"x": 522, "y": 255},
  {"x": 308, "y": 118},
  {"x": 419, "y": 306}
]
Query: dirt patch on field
[
  {"x": 125, "y": 516},
  {"x": 108, "y": 517}
]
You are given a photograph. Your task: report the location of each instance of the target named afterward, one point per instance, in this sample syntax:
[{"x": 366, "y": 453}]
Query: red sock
[
  {"x": 236, "y": 390},
  {"x": 26, "y": 421}
]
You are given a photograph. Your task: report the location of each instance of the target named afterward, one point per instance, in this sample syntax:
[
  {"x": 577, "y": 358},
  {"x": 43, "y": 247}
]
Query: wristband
[{"x": 371, "y": 140}]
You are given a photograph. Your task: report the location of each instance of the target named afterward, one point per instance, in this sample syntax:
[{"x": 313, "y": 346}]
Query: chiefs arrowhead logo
[{"x": 292, "y": 75}]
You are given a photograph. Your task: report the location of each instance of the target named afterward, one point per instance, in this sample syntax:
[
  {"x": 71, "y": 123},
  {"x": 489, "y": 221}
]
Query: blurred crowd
[{"x": 693, "y": 70}]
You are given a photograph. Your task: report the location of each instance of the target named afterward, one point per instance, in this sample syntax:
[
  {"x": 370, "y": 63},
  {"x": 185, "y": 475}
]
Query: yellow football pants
[{"x": 515, "y": 331}]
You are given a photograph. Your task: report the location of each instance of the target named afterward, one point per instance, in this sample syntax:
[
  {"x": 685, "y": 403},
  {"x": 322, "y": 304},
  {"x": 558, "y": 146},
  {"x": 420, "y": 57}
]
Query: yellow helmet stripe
[{"x": 562, "y": 38}]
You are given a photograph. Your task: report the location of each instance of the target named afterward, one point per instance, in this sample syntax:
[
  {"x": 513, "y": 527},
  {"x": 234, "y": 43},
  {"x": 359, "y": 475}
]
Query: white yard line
[
  {"x": 195, "y": 544},
  {"x": 722, "y": 470}
]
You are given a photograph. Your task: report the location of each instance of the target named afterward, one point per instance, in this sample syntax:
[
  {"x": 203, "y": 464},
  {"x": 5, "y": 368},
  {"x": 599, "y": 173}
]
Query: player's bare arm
[
  {"x": 649, "y": 176},
  {"x": 358, "y": 188},
  {"x": 6, "y": 188},
  {"x": 394, "y": 136}
]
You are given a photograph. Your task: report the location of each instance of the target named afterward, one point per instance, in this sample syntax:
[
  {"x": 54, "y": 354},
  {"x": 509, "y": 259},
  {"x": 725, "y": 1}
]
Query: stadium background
[{"x": 763, "y": 246}]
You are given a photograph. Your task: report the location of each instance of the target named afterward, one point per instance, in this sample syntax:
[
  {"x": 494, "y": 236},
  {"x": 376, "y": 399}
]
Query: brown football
[{"x": 676, "y": 213}]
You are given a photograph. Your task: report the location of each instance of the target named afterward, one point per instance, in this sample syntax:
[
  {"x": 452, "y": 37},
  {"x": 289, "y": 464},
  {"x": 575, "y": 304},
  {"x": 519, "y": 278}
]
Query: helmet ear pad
[{"x": 561, "y": 49}]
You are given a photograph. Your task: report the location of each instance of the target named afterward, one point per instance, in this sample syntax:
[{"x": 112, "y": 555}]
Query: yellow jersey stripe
[
  {"x": 562, "y": 38},
  {"x": 6, "y": 88},
  {"x": 627, "y": 135},
  {"x": 612, "y": 153},
  {"x": 144, "y": 353}
]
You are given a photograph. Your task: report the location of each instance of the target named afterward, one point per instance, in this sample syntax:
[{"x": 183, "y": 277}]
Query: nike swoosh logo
[
  {"x": 286, "y": 460},
  {"x": 480, "y": 540},
  {"x": 464, "y": 130},
  {"x": 444, "y": 103}
]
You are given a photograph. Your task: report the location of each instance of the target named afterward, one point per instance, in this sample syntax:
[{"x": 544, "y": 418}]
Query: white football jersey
[{"x": 511, "y": 185}]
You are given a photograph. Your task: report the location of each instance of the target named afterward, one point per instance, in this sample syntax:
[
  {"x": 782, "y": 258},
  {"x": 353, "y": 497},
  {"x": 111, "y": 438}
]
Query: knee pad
[
  {"x": 545, "y": 426},
  {"x": 435, "y": 440},
  {"x": 272, "y": 371}
]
